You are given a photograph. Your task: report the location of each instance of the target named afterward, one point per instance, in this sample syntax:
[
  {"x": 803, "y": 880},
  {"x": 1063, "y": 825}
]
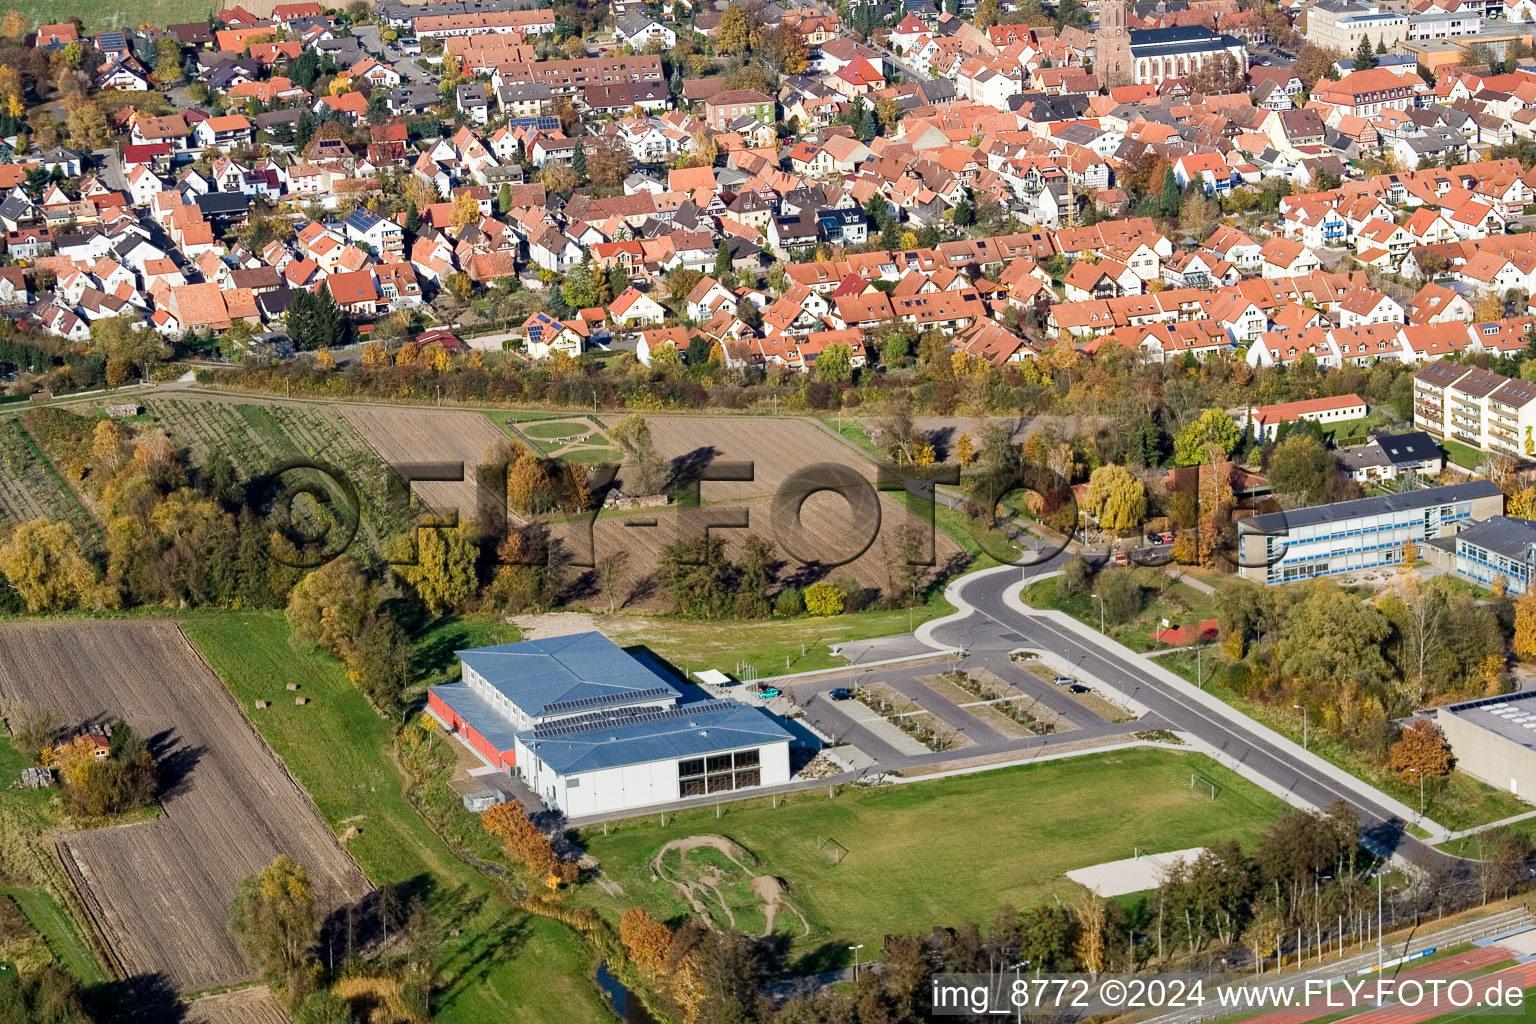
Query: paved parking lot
[{"x": 851, "y": 722}]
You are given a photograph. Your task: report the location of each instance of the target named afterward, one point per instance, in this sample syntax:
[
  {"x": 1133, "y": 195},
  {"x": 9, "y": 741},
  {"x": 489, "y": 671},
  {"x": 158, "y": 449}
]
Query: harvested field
[
  {"x": 159, "y": 891},
  {"x": 401, "y": 436},
  {"x": 777, "y": 448},
  {"x": 245, "y": 1006}
]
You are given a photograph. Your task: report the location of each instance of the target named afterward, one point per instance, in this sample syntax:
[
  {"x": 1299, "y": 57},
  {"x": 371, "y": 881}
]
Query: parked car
[
  {"x": 1064, "y": 680},
  {"x": 841, "y": 693},
  {"x": 768, "y": 692},
  {"x": 1078, "y": 688},
  {"x": 1121, "y": 558}
]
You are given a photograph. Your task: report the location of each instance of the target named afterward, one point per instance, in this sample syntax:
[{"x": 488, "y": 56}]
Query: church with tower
[{"x": 1126, "y": 56}]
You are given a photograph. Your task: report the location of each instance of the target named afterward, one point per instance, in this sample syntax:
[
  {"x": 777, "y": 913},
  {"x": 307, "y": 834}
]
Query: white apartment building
[{"x": 1476, "y": 407}]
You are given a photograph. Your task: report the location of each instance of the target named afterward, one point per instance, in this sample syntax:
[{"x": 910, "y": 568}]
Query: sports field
[{"x": 949, "y": 851}]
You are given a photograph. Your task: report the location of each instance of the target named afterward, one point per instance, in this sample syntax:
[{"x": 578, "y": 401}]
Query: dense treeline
[
  {"x": 1359, "y": 665},
  {"x": 1119, "y": 408}
]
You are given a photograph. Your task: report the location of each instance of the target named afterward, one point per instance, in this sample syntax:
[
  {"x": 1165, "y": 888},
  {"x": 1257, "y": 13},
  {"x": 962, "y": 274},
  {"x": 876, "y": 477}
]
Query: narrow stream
[{"x": 629, "y": 1009}]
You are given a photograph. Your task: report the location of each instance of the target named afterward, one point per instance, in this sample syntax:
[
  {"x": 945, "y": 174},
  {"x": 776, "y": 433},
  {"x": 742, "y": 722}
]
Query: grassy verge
[
  {"x": 498, "y": 964},
  {"x": 772, "y": 646},
  {"x": 1162, "y": 598},
  {"x": 58, "y": 930},
  {"x": 1457, "y": 802},
  {"x": 912, "y": 850}
]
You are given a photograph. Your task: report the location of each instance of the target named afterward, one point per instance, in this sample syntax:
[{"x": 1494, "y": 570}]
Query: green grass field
[
  {"x": 948, "y": 851},
  {"x": 503, "y": 964},
  {"x": 100, "y": 15},
  {"x": 1162, "y": 598},
  {"x": 45, "y": 915},
  {"x": 1457, "y": 802}
]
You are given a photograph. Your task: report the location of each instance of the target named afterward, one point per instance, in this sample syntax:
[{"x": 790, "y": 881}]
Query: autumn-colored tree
[
  {"x": 407, "y": 354},
  {"x": 1488, "y": 307},
  {"x": 441, "y": 569},
  {"x": 1410, "y": 554},
  {"x": 824, "y": 598},
  {"x": 274, "y": 921},
  {"x": 324, "y": 360},
  {"x": 609, "y": 163},
  {"x": 1092, "y": 930},
  {"x": 466, "y": 210},
  {"x": 647, "y": 940},
  {"x": 735, "y": 30},
  {"x": 1116, "y": 498},
  {"x": 327, "y": 608},
  {"x": 15, "y": 26},
  {"x": 1524, "y": 643},
  {"x": 86, "y": 124},
  {"x": 43, "y": 562},
  {"x": 1423, "y": 749},
  {"x": 1521, "y": 504},
  {"x": 965, "y": 450},
  {"x": 374, "y": 354}
]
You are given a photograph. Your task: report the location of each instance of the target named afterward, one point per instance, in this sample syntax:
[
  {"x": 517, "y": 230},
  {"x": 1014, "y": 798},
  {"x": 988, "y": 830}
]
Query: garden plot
[
  {"x": 29, "y": 491},
  {"x": 159, "y": 892}
]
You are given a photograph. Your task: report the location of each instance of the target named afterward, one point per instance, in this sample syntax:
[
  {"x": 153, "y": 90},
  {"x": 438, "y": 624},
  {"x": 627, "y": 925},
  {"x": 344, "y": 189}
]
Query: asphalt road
[{"x": 995, "y": 626}]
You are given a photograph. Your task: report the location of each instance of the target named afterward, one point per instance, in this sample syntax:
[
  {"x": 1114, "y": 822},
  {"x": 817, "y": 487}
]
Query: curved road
[{"x": 992, "y": 624}]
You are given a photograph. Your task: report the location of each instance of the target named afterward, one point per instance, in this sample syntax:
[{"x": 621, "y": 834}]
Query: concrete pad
[
  {"x": 1133, "y": 874},
  {"x": 883, "y": 730},
  {"x": 1523, "y": 944}
]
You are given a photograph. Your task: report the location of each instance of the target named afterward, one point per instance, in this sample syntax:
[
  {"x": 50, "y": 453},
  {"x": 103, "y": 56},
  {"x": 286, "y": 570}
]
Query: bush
[
  {"x": 790, "y": 603},
  {"x": 1074, "y": 576},
  {"x": 1121, "y": 595},
  {"x": 824, "y": 599},
  {"x": 853, "y": 593}
]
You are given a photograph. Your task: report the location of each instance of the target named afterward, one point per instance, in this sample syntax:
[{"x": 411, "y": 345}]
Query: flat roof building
[
  {"x": 1500, "y": 552},
  {"x": 592, "y": 729},
  {"x": 1348, "y": 536},
  {"x": 1494, "y": 739}
]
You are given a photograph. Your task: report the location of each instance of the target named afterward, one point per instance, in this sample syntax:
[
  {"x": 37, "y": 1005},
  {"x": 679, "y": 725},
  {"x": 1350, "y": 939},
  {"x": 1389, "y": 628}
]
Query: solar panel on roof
[
  {"x": 560, "y": 706},
  {"x": 620, "y": 719}
]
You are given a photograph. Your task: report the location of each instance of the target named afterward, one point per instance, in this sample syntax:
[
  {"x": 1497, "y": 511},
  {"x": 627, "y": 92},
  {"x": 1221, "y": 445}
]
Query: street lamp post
[
  {"x": 1421, "y": 789},
  {"x": 1099, "y": 599},
  {"x": 856, "y": 960},
  {"x": 1303, "y": 711}
]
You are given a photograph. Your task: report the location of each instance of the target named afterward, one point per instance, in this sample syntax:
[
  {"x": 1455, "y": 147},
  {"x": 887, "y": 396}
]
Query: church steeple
[{"x": 1112, "y": 45}]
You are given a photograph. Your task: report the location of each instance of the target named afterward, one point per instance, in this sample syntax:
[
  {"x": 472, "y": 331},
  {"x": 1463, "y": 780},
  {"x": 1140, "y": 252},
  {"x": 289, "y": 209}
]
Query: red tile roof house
[
  {"x": 355, "y": 292},
  {"x": 1266, "y": 419}
]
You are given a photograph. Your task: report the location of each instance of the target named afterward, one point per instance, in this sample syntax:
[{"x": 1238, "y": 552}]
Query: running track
[{"x": 1472, "y": 960}]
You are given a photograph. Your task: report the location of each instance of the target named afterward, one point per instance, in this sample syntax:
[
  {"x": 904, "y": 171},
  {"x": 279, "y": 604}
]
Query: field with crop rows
[
  {"x": 402, "y": 436},
  {"x": 257, "y": 439},
  {"x": 28, "y": 490},
  {"x": 159, "y": 891}
]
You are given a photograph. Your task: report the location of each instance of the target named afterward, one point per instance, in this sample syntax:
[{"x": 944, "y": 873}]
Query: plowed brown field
[{"x": 160, "y": 891}]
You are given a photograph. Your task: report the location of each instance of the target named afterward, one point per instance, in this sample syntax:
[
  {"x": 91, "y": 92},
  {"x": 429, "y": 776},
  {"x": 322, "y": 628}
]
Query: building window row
[{"x": 718, "y": 773}]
